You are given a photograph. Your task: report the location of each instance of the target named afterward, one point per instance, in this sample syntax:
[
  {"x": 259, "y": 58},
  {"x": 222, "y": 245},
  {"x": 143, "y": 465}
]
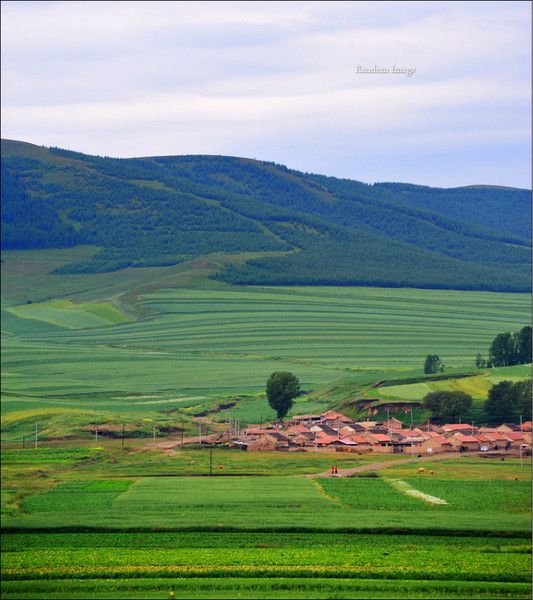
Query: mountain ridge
[{"x": 163, "y": 210}]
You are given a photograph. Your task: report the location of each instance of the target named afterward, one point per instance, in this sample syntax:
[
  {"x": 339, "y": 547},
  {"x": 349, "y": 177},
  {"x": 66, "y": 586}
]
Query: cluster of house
[{"x": 332, "y": 431}]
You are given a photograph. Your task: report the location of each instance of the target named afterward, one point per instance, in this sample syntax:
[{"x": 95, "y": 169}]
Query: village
[{"x": 332, "y": 431}]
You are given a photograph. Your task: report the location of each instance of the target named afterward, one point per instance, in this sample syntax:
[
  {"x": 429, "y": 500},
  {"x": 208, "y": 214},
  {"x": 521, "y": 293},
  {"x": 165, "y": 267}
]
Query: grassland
[
  {"x": 477, "y": 386},
  {"x": 168, "y": 344},
  {"x": 164, "y": 347},
  {"x": 264, "y": 537}
]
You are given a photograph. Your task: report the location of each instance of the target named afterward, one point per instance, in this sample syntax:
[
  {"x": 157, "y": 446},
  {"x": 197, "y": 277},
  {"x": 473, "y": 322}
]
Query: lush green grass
[
  {"x": 261, "y": 537},
  {"x": 273, "y": 503},
  {"x": 193, "y": 348},
  {"x": 256, "y": 587},
  {"x": 65, "y": 313},
  {"x": 478, "y": 386},
  {"x": 263, "y": 565}
]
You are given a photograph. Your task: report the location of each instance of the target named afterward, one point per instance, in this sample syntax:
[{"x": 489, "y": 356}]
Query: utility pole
[
  {"x": 412, "y": 448},
  {"x": 521, "y": 431}
]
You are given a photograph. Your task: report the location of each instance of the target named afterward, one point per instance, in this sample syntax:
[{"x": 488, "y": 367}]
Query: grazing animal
[
  {"x": 421, "y": 470},
  {"x": 432, "y": 472}
]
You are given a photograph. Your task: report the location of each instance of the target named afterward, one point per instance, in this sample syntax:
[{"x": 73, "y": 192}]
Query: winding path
[{"x": 383, "y": 464}]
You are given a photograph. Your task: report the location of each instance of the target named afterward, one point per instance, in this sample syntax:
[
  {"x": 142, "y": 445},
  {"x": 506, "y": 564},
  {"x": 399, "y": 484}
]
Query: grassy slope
[{"x": 202, "y": 344}]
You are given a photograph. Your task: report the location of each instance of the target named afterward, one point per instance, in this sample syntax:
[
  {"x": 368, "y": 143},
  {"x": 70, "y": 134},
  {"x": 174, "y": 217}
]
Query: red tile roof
[
  {"x": 456, "y": 427},
  {"x": 526, "y": 426},
  {"x": 381, "y": 437},
  {"x": 335, "y": 416},
  {"x": 325, "y": 440},
  {"x": 298, "y": 429},
  {"x": 359, "y": 439},
  {"x": 497, "y": 437},
  {"x": 514, "y": 435},
  {"x": 466, "y": 438},
  {"x": 440, "y": 439}
]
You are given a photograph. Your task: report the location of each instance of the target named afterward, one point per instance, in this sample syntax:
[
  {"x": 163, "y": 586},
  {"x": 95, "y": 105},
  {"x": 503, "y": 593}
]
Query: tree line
[{"x": 508, "y": 349}]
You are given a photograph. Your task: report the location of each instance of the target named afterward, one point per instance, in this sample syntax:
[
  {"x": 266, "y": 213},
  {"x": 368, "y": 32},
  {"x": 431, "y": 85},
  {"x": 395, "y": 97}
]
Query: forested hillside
[{"x": 313, "y": 229}]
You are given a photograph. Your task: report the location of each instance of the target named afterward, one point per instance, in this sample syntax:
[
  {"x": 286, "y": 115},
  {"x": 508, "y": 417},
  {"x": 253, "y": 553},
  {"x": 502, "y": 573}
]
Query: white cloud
[{"x": 127, "y": 78}]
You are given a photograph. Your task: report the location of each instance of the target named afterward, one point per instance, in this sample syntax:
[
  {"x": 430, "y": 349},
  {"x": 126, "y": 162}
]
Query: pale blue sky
[{"x": 277, "y": 81}]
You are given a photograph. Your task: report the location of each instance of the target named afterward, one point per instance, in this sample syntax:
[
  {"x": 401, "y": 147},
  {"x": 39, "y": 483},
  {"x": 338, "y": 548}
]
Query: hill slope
[{"x": 312, "y": 229}]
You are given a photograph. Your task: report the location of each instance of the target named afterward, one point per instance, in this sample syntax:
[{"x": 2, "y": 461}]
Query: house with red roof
[
  {"x": 392, "y": 423},
  {"x": 458, "y": 428},
  {"x": 331, "y": 415},
  {"x": 434, "y": 443},
  {"x": 463, "y": 442}
]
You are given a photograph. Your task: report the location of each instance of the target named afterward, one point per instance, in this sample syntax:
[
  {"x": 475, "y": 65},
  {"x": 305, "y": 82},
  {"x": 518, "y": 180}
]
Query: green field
[
  {"x": 129, "y": 347},
  {"x": 154, "y": 350},
  {"x": 477, "y": 386},
  {"x": 81, "y": 535}
]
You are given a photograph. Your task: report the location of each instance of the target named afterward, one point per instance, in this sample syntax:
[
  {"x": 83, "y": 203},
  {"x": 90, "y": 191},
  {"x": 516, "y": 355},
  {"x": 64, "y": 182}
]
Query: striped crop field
[
  {"x": 229, "y": 340},
  {"x": 277, "y": 503}
]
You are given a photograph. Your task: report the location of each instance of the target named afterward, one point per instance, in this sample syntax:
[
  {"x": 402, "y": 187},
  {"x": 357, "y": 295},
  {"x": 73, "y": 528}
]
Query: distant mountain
[{"x": 310, "y": 229}]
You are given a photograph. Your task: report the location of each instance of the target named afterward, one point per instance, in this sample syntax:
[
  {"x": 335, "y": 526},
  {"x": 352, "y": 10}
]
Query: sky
[{"x": 287, "y": 82}]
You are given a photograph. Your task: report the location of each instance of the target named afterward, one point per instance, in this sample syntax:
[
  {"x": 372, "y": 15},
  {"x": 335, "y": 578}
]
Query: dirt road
[{"x": 383, "y": 464}]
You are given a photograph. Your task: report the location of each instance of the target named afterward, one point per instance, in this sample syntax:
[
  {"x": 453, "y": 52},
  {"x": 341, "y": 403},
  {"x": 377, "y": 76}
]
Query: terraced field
[{"x": 228, "y": 341}]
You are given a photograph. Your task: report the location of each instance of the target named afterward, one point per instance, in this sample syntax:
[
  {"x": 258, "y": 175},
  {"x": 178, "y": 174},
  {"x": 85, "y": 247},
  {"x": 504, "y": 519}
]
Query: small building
[
  {"x": 393, "y": 424},
  {"x": 464, "y": 443},
  {"x": 271, "y": 440},
  {"x": 331, "y": 415},
  {"x": 465, "y": 428},
  {"x": 434, "y": 443},
  {"x": 508, "y": 427}
]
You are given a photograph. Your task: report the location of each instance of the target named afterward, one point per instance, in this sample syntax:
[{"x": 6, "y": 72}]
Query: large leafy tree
[
  {"x": 523, "y": 398},
  {"x": 523, "y": 345},
  {"x": 502, "y": 351},
  {"x": 281, "y": 388},
  {"x": 446, "y": 405},
  {"x": 508, "y": 401}
]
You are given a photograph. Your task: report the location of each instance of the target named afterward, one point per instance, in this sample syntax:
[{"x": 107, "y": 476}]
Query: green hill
[{"x": 307, "y": 229}]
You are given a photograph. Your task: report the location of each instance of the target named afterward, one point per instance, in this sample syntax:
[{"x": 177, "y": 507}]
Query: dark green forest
[{"x": 318, "y": 230}]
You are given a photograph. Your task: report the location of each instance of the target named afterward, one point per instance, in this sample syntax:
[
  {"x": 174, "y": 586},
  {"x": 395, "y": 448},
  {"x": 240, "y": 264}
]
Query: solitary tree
[
  {"x": 446, "y": 405},
  {"x": 433, "y": 364},
  {"x": 281, "y": 388}
]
